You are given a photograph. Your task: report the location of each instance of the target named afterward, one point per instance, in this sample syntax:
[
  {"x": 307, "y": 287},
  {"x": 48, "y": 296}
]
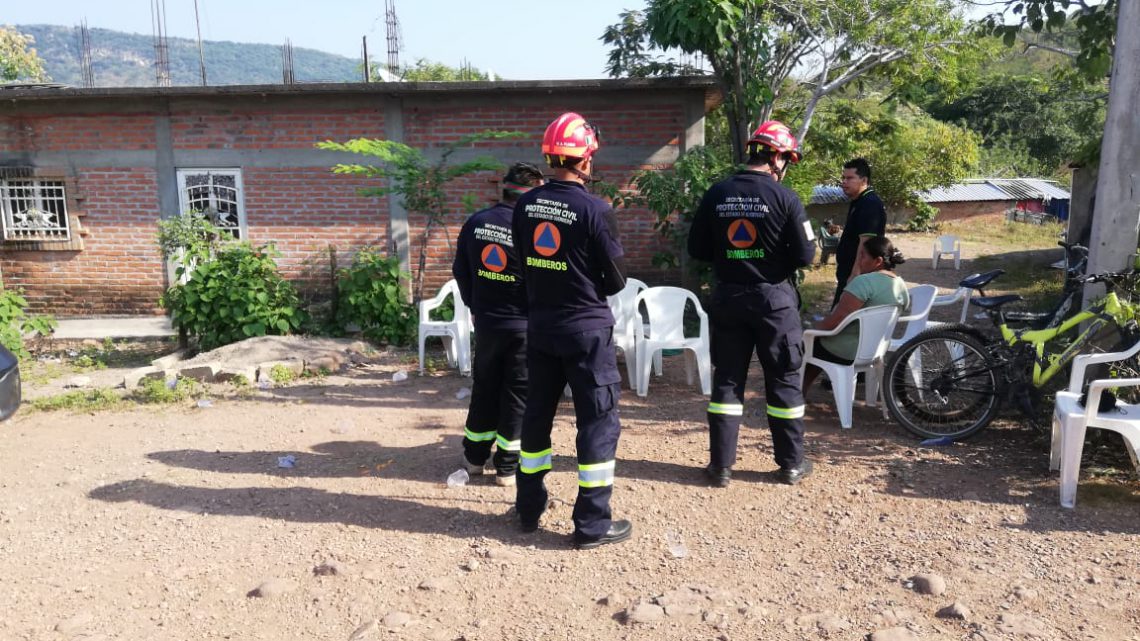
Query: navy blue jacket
[
  {"x": 488, "y": 272},
  {"x": 572, "y": 259},
  {"x": 752, "y": 229}
]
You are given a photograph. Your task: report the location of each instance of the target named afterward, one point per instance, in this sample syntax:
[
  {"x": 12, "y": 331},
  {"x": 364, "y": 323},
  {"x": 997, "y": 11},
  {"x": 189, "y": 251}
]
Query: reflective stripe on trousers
[
  {"x": 479, "y": 437},
  {"x": 786, "y": 412},
  {"x": 535, "y": 462},
  {"x": 510, "y": 446},
  {"x": 596, "y": 474},
  {"x": 728, "y": 409}
]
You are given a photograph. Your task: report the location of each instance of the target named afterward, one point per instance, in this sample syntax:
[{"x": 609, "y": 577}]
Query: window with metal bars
[
  {"x": 34, "y": 209},
  {"x": 215, "y": 194}
]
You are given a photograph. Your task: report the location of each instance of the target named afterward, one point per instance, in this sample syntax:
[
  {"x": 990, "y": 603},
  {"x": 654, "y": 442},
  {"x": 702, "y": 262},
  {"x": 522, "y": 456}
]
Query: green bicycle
[{"x": 951, "y": 381}]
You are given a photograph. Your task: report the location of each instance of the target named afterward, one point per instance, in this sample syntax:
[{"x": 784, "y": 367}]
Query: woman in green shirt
[{"x": 877, "y": 284}]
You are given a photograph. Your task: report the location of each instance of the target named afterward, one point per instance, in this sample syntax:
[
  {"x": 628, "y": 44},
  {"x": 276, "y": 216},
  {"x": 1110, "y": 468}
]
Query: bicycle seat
[
  {"x": 994, "y": 302},
  {"x": 978, "y": 281}
]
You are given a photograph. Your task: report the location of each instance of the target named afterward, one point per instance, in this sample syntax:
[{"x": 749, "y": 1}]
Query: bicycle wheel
[{"x": 942, "y": 383}]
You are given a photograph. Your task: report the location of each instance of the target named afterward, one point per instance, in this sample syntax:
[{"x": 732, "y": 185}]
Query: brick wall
[
  {"x": 120, "y": 269},
  {"x": 121, "y": 162}
]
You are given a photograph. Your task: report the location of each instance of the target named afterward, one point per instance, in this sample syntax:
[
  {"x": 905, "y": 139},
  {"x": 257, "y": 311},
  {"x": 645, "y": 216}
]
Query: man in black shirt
[
  {"x": 489, "y": 275},
  {"x": 866, "y": 218},
  {"x": 568, "y": 243},
  {"x": 755, "y": 233}
]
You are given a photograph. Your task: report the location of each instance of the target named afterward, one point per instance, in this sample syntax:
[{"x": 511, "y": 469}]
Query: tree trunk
[{"x": 1117, "y": 218}]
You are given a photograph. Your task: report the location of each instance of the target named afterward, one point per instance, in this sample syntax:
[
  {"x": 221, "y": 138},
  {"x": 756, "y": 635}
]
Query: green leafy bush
[
  {"x": 15, "y": 322},
  {"x": 923, "y": 219},
  {"x": 234, "y": 294},
  {"x": 157, "y": 391},
  {"x": 372, "y": 296}
]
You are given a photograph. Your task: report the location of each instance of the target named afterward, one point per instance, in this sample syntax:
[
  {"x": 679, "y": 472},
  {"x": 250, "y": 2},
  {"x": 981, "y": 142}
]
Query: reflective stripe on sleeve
[
  {"x": 479, "y": 437},
  {"x": 509, "y": 446},
  {"x": 535, "y": 462},
  {"x": 596, "y": 474},
  {"x": 728, "y": 409},
  {"x": 786, "y": 412}
]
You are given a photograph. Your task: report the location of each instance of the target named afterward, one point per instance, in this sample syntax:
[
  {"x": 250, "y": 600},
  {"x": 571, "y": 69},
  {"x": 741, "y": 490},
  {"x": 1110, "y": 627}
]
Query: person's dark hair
[
  {"x": 523, "y": 175},
  {"x": 861, "y": 166},
  {"x": 882, "y": 247},
  {"x": 761, "y": 155}
]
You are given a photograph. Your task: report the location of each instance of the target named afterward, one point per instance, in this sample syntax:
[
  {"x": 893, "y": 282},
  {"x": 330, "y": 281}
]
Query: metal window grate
[
  {"x": 215, "y": 195},
  {"x": 34, "y": 210}
]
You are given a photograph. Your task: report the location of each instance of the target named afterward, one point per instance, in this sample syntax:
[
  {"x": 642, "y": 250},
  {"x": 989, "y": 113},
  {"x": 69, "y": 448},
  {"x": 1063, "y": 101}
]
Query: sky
[{"x": 515, "y": 39}]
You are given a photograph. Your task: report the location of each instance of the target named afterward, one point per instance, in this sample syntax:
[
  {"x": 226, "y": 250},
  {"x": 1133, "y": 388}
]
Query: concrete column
[
  {"x": 1117, "y": 221},
  {"x": 398, "y": 231}
]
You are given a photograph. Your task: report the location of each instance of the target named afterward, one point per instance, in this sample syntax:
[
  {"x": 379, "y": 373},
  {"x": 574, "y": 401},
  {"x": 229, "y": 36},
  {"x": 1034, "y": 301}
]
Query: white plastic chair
[
  {"x": 627, "y": 325},
  {"x": 961, "y": 294},
  {"x": 921, "y": 301},
  {"x": 456, "y": 333},
  {"x": 1071, "y": 421},
  {"x": 947, "y": 244},
  {"x": 665, "y": 308},
  {"x": 876, "y": 325}
]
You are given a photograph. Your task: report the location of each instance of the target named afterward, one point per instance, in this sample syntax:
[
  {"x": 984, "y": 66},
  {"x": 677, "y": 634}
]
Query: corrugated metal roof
[
  {"x": 977, "y": 190},
  {"x": 969, "y": 191},
  {"x": 827, "y": 195},
  {"x": 1030, "y": 188}
]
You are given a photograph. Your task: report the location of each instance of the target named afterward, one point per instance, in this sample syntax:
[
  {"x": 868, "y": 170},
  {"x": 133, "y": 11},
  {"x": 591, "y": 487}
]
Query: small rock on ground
[
  {"x": 74, "y": 624},
  {"x": 645, "y": 613},
  {"x": 273, "y": 588},
  {"x": 893, "y": 634},
  {"x": 365, "y": 630},
  {"x": 956, "y": 610},
  {"x": 395, "y": 620},
  {"x": 931, "y": 584}
]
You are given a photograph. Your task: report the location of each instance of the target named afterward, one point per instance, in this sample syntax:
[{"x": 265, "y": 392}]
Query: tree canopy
[
  {"x": 18, "y": 60},
  {"x": 754, "y": 46}
]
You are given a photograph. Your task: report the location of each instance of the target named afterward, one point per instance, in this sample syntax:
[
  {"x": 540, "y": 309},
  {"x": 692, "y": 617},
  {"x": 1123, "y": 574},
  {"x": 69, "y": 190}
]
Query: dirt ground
[{"x": 178, "y": 523}]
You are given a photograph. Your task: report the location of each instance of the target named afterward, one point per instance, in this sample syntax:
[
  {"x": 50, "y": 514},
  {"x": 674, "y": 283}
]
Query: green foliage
[
  {"x": 157, "y": 392},
  {"x": 372, "y": 297},
  {"x": 18, "y": 60},
  {"x": 1031, "y": 126},
  {"x": 1095, "y": 26},
  {"x": 235, "y": 294},
  {"x": 424, "y": 70},
  {"x": 909, "y": 151},
  {"x": 754, "y": 46},
  {"x": 227, "y": 63},
  {"x": 923, "y": 219},
  {"x": 79, "y": 401},
  {"x": 674, "y": 194},
  {"x": 420, "y": 183},
  {"x": 15, "y": 323},
  {"x": 188, "y": 236},
  {"x": 281, "y": 374}
]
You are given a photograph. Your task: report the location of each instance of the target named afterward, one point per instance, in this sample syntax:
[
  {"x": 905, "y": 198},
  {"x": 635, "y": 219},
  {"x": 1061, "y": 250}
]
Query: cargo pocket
[
  {"x": 607, "y": 384},
  {"x": 791, "y": 353}
]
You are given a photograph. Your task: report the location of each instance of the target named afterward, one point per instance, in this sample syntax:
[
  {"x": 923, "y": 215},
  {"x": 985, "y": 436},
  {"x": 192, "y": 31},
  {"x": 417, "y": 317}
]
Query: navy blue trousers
[
  {"x": 763, "y": 318},
  {"x": 498, "y": 397},
  {"x": 588, "y": 362}
]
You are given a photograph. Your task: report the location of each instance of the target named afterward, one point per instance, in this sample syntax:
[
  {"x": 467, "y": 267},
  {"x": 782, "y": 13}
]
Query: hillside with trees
[{"x": 122, "y": 59}]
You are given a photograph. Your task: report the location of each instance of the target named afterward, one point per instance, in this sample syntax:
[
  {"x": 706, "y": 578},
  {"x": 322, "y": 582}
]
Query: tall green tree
[
  {"x": 754, "y": 46},
  {"x": 18, "y": 60}
]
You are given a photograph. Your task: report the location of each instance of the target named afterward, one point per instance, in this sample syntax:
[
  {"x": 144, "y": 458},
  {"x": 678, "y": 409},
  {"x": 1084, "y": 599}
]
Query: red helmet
[
  {"x": 570, "y": 136},
  {"x": 776, "y": 136}
]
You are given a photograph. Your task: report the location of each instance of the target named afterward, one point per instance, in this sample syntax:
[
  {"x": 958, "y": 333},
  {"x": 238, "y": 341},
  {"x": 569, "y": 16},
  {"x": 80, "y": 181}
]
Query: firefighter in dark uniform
[
  {"x": 755, "y": 233},
  {"x": 572, "y": 259},
  {"x": 489, "y": 275}
]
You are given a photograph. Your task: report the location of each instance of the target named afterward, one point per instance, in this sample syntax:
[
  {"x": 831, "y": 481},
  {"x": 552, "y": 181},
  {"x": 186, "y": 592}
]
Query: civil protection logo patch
[
  {"x": 741, "y": 233},
  {"x": 547, "y": 239},
  {"x": 494, "y": 258}
]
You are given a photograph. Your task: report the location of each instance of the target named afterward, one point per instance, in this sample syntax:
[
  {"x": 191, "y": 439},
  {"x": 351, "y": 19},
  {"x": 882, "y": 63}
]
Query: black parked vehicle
[{"x": 9, "y": 383}]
